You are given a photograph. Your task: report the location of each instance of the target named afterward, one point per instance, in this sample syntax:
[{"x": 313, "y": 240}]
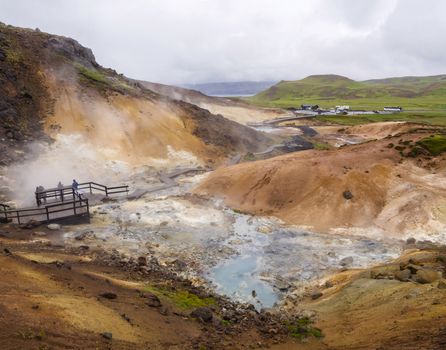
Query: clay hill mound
[
  {"x": 53, "y": 86},
  {"x": 379, "y": 187},
  {"x": 233, "y": 109}
]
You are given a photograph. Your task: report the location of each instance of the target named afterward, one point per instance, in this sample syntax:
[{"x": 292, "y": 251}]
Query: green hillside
[{"x": 413, "y": 93}]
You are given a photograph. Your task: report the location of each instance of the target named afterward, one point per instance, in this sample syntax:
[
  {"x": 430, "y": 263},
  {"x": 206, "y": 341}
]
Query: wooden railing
[
  {"x": 59, "y": 194},
  {"x": 51, "y": 203},
  {"x": 48, "y": 212},
  {"x": 4, "y": 207},
  {"x": 107, "y": 190}
]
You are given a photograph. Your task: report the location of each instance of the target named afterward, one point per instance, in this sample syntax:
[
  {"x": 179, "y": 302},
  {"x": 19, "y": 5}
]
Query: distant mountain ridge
[
  {"x": 327, "y": 90},
  {"x": 237, "y": 88}
]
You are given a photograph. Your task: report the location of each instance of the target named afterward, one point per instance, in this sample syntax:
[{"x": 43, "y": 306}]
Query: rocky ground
[
  {"x": 400, "y": 305},
  {"x": 53, "y": 293}
]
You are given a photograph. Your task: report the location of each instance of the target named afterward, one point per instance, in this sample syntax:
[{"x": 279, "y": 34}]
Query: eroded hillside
[
  {"x": 53, "y": 85},
  {"x": 233, "y": 109},
  {"x": 386, "y": 187},
  {"x": 64, "y": 116}
]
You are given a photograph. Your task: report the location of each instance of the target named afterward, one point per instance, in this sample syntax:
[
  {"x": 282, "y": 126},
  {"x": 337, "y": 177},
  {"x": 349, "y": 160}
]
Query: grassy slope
[
  {"x": 331, "y": 90},
  {"x": 424, "y": 97}
]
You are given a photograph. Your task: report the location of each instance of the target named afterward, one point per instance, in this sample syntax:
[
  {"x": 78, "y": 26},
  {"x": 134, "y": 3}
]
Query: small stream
[
  {"x": 250, "y": 259},
  {"x": 273, "y": 258},
  {"x": 239, "y": 279}
]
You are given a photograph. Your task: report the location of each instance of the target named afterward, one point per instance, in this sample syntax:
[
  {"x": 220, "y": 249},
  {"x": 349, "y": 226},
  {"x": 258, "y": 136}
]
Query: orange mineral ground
[{"x": 391, "y": 195}]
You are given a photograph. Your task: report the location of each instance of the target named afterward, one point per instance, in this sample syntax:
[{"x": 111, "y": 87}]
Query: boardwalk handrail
[
  {"x": 106, "y": 189},
  {"x": 4, "y": 206},
  {"x": 60, "y": 193},
  {"x": 46, "y": 210},
  {"x": 76, "y": 204}
]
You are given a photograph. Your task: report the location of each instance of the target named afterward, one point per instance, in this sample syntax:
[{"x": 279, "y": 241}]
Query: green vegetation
[
  {"x": 303, "y": 328},
  {"x": 226, "y": 322},
  {"x": 14, "y": 57},
  {"x": 430, "y": 118},
  {"x": 434, "y": 144},
  {"x": 423, "y": 97},
  {"x": 30, "y": 334},
  {"x": 91, "y": 74},
  {"x": 102, "y": 79},
  {"x": 249, "y": 157},
  {"x": 330, "y": 90},
  {"x": 321, "y": 146},
  {"x": 182, "y": 299}
]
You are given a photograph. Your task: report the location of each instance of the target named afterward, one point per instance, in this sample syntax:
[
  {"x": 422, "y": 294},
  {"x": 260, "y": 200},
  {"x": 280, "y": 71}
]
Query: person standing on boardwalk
[
  {"x": 75, "y": 186},
  {"x": 38, "y": 196},
  {"x": 60, "y": 187},
  {"x": 41, "y": 197}
]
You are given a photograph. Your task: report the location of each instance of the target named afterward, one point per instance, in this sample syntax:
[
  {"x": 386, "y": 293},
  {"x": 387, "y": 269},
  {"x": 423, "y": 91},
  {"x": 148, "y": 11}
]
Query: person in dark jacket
[
  {"x": 41, "y": 197},
  {"x": 60, "y": 187},
  {"x": 38, "y": 195}
]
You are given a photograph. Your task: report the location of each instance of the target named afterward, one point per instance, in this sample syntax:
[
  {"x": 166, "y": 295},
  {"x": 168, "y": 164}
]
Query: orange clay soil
[
  {"x": 138, "y": 128},
  {"x": 391, "y": 194},
  {"x": 369, "y": 309},
  {"x": 55, "y": 86},
  {"x": 50, "y": 299}
]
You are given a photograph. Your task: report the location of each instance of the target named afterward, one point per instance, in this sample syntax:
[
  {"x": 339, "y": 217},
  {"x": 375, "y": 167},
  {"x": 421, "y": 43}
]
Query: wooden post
[
  {"x": 106, "y": 191},
  {"x": 74, "y": 207},
  {"x": 91, "y": 191},
  {"x": 47, "y": 214},
  {"x": 18, "y": 217},
  {"x": 88, "y": 208}
]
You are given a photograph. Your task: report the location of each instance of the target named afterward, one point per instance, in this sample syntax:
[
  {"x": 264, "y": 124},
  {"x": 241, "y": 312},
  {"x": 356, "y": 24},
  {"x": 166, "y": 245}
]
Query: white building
[{"x": 393, "y": 109}]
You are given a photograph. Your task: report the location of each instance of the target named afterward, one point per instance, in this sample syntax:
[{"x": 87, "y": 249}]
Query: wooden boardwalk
[
  {"x": 60, "y": 203},
  {"x": 168, "y": 181}
]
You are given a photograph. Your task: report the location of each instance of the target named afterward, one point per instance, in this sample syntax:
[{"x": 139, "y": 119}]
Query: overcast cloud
[{"x": 194, "y": 41}]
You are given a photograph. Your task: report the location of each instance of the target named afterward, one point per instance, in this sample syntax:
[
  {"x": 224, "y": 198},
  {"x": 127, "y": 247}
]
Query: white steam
[{"x": 73, "y": 157}]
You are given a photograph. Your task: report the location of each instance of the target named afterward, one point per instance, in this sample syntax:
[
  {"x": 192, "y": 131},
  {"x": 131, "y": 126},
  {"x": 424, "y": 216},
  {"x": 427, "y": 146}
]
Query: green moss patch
[
  {"x": 303, "y": 328},
  {"x": 182, "y": 299},
  {"x": 321, "y": 146},
  {"x": 434, "y": 144},
  {"x": 14, "y": 57},
  {"x": 91, "y": 74}
]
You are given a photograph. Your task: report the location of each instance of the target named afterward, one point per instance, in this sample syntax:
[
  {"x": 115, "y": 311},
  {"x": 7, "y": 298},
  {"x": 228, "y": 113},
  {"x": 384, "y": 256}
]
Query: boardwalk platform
[{"x": 57, "y": 204}]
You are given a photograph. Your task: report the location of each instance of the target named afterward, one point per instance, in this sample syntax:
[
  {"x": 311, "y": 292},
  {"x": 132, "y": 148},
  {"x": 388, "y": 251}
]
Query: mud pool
[{"x": 250, "y": 259}]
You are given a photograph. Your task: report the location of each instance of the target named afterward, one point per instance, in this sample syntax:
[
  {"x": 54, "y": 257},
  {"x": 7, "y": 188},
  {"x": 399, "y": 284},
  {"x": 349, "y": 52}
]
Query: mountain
[
  {"x": 237, "y": 88},
  {"x": 330, "y": 90},
  {"x": 52, "y": 89}
]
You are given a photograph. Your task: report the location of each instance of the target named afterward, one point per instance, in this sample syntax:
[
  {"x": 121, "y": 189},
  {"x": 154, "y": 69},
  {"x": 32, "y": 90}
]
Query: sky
[{"x": 197, "y": 41}]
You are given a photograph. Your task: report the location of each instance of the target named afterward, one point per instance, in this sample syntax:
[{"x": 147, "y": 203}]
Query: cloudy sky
[{"x": 194, "y": 41}]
